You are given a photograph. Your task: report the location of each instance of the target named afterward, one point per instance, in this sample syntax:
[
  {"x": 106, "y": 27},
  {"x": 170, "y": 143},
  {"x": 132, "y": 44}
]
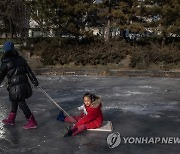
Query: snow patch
[{"x": 146, "y": 87}]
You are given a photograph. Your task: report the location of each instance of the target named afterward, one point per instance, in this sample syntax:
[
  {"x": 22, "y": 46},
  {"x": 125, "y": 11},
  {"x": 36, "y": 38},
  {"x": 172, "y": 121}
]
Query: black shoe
[{"x": 68, "y": 132}]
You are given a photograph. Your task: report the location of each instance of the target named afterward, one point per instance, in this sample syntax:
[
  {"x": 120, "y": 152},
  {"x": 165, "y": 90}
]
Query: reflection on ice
[
  {"x": 2, "y": 130},
  {"x": 145, "y": 87},
  {"x": 142, "y": 108}
]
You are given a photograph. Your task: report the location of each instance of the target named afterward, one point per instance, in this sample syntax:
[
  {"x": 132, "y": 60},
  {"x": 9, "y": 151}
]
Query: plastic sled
[{"x": 106, "y": 127}]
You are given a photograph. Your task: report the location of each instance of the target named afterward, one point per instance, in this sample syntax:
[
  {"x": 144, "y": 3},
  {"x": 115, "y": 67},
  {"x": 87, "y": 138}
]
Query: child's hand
[
  {"x": 1, "y": 86},
  {"x": 36, "y": 85},
  {"x": 81, "y": 107}
]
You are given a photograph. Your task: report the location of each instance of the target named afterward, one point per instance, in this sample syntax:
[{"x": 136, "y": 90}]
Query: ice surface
[{"x": 139, "y": 106}]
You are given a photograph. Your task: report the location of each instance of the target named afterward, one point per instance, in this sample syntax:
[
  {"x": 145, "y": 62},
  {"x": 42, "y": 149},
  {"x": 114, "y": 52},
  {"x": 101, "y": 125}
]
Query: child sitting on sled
[{"x": 91, "y": 117}]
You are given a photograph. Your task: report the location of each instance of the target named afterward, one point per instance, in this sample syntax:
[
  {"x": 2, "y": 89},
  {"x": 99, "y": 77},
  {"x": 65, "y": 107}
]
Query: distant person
[
  {"x": 17, "y": 71},
  {"x": 90, "y": 118}
]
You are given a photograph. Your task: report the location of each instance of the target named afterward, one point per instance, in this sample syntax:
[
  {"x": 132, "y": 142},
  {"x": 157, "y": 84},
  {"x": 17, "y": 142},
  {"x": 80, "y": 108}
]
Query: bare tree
[{"x": 14, "y": 16}]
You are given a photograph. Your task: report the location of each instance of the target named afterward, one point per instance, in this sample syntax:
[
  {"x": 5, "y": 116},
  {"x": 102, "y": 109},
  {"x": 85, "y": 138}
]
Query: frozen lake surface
[{"x": 137, "y": 107}]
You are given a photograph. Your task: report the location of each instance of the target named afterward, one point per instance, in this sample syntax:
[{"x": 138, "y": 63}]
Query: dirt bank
[{"x": 99, "y": 70}]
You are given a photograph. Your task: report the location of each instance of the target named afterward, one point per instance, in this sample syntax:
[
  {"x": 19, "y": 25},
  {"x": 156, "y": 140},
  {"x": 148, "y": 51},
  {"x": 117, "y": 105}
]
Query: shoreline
[
  {"x": 99, "y": 70},
  {"x": 106, "y": 72}
]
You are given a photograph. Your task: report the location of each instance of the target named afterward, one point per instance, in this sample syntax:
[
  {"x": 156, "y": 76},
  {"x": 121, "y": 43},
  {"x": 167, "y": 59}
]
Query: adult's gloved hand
[{"x": 36, "y": 85}]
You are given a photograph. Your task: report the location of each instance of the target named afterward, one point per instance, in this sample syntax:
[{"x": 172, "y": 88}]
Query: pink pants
[
  {"x": 76, "y": 129},
  {"x": 68, "y": 119}
]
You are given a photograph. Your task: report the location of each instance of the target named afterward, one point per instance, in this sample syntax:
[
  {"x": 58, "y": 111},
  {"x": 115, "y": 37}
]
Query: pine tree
[
  {"x": 159, "y": 17},
  {"x": 165, "y": 17},
  {"x": 68, "y": 16}
]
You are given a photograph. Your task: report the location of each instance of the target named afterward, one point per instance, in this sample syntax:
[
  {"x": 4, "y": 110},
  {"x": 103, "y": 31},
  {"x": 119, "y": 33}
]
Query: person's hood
[
  {"x": 9, "y": 55},
  {"x": 96, "y": 103}
]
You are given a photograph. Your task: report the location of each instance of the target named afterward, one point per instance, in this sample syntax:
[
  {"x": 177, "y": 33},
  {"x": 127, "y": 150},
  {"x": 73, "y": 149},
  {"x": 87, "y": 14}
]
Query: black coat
[{"x": 17, "y": 71}]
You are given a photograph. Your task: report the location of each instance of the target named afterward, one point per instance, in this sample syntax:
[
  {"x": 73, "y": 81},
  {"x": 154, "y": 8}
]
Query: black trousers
[{"x": 23, "y": 106}]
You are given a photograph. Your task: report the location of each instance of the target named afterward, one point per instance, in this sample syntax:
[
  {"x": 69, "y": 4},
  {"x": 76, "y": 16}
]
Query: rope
[{"x": 47, "y": 95}]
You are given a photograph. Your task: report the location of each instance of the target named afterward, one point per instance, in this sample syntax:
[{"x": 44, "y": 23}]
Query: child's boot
[
  {"x": 68, "y": 132},
  {"x": 31, "y": 123},
  {"x": 74, "y": 131},
  {"x": 61, "y": 116},
  {"x": 10, "y": 120}
]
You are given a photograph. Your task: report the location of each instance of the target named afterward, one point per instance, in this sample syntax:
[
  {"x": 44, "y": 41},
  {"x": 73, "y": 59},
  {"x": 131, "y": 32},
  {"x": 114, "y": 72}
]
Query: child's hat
[{"x": 8, "y": 46}]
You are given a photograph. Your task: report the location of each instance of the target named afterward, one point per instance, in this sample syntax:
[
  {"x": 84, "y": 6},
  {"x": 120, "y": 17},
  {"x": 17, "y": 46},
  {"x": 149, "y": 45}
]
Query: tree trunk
[
  {"x": 163, "y": 41},
  {"x": 108, "y": 24},
  {"x": 10, "y": 28},
  {"x": 108, "y": 31}
]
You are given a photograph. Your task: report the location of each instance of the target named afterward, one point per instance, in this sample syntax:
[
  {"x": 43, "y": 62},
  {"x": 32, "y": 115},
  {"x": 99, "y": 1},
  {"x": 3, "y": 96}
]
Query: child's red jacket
[{"x": 94, "y": 117}]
